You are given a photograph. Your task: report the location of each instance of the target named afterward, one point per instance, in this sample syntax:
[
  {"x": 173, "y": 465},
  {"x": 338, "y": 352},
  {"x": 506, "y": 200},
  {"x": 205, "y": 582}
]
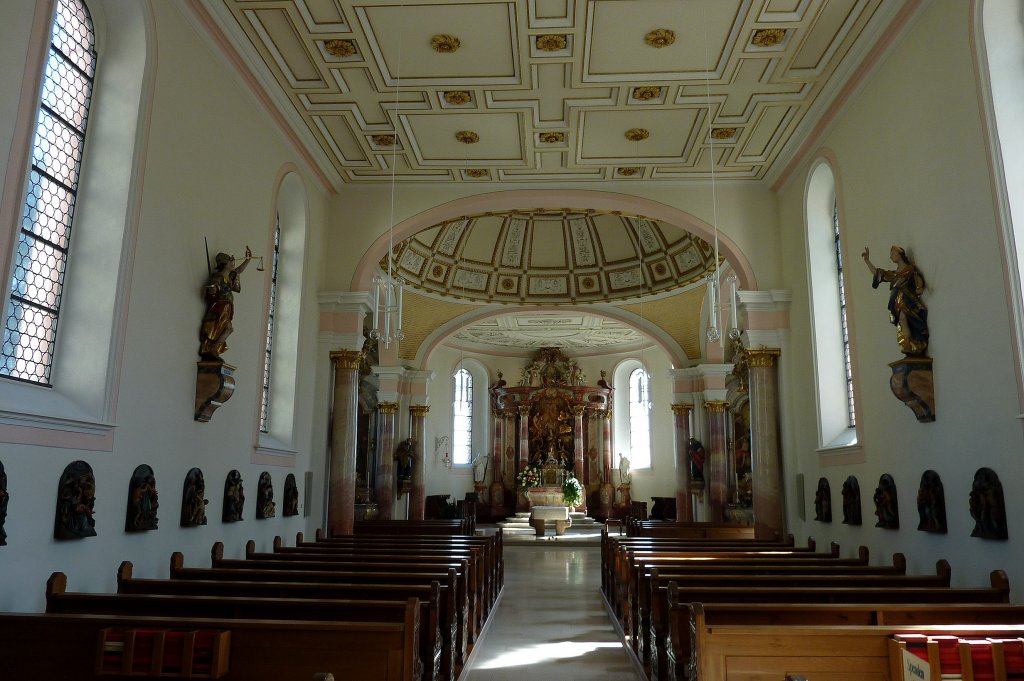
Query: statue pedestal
[
  {"x": 911, "y": 383},
  {"x": 215, "y": 383}
]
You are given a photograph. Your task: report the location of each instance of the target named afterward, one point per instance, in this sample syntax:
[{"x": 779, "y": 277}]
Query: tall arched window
[
  {"x": 833, "y": 361},
  {"x": 269, "y": 345},
  {"x": 462, "y": 417},
  {"x": 640, "y": 418},
  {"x": 41, "y": 256}
]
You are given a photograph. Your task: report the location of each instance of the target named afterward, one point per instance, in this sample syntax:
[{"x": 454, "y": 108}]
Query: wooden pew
[
  {"x": 443, "y": 594},
  {"x": 65, "y": 647},
  {"x": 462, "y": 526},
  {"x": 428, "y": 639}
]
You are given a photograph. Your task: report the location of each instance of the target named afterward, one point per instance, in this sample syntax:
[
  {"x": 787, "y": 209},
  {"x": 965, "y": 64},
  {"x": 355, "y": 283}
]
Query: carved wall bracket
[
  {"x": 912, "y": 384},
  {"x": 215, "y": 384}
]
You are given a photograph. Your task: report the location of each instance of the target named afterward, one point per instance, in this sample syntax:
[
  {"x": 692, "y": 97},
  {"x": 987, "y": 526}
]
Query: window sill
[
  {"x": 272, "y": 452},
  {"x": 37, "y": 415},
  {"x": 840, "y": 455}
]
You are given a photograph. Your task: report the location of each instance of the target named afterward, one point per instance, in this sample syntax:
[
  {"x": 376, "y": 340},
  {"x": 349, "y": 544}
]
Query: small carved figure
[
  {"x": 193, "y": 501},
  {"x": 4, "y": 498},
  {"x": 234, "y": 497},
  {"x": 906, "y": 309},
  {"x": 823, "y": 502},
  {"x": 886, "y": 505},
  {"x": 851, "y": 502},
  {"x": 218, "y": 293},
  {"x": 143, "y": 501},
  {"x": 405, "y": 454},
  {"x": 76, "y": 497},
  {"x": 574, "y": 375},
  {"x": 265, "y": 497},
  {"x": 987, "y": 507},
  {"x": 931, "y": 504},
  {"x": 695, "y": 452},
  {"x": 625, "y": 476},
  {"x": 291, "y": 497}
]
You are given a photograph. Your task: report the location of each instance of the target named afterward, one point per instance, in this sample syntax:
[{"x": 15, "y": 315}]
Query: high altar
[{"x": 554, "y": 421}]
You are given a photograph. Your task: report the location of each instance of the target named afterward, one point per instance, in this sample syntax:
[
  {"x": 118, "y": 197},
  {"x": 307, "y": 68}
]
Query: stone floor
[{"x": 551, "y": 623}]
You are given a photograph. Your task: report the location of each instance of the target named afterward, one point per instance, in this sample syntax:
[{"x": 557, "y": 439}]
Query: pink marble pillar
[
  {"x": 716, "y": 468},
  {"x": 418, "y": 493},
  {"x": 341, "y": 494},
  {"x": 497, "y": 488},
  {"x": 684, "y": 504},
  {"x": 385, "y": 487},
  {"x": 522, "y": 503},
  {"x": 606, "y": 496},
  {"x": 577, "y": 440},
  {"x": 764, "y": 442}
]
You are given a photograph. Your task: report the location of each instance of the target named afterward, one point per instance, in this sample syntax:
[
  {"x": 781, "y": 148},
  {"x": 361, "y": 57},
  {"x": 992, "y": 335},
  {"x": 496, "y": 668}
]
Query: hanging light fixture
[{"x": 714, "y": 334}]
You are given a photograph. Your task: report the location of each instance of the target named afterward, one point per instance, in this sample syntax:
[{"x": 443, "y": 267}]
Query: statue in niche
[
  {"x": 594, "y": 470},
  {"x": 886, "y": 505},
  {"x": 906, "y": 309},
  {"x": 987, "y": 508},
  {"x": 573, "y": 373},
  {"x": 851, "y": 502},
  {"x": 291, "y": 497},
  {"x": 76, "y": 498},
  {"x": 218, "y": 293},
  {"x": 234, "y": 497},
  {"x": 193, "y": 501},
  {"x": 931, "y": 504},
  {"x": 4, "y": 498},
  {"x": 696, "y": 454},
  {"x": 625, "y": 476},
  {"x": 265, "y": 497},
  {"x": 405, "y": 455},
  {"x": 143, "y": 501},
  {"x": 823, "y": 502}
]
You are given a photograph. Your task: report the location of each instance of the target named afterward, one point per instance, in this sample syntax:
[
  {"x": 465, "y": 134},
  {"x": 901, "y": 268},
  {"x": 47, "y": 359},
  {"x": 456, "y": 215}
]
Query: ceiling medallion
[
  {"x": 588, "y": 282},
  {"x": 340, "y": 48},
  {"x": 476, "y": 172},
  {"x": 457, "y": 97},
  {"x": 660, "y": 37},
  {"x": 383, "y": 140},
  {"x": 467, "y": 137},
  {"x": 552, "y": 137},
  {"x": 551, "y": 42},
  {"x": 637, "y": 134},
  {"x": 647, "y": 93},
  {"x": 628, "y": 172},
  {"x": 444, "y": 43},
  {"x": 508, "y": 284},
  {"x": 437, "y": 271},
  {"x": 768, "y": 37},
  {"x": 660, "y": 269},
  {"x": 723, "y": 133}
]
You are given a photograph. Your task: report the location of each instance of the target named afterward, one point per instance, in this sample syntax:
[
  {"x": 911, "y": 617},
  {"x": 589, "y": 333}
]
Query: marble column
[
  {"x": 764, "y": 442},
  {"x": 497, "y": 488},
  {"x": 684, "y": 504},
  {"x": 522, "y": 503},
  {"x": 716, "y": 468},
  {"x": 418, "y": 493},
  {"x": 385, "y": 489},
  {"x": 607, "y": 494},
  {"x": 577, "y": 454},
  {"x": 341, "y": 496}
]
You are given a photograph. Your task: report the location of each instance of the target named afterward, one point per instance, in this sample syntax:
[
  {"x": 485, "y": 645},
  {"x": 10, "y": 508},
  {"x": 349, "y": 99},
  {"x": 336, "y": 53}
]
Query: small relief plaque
[
  {"x": 452, "y": 235},
  {"x": 548, "y": 285},
  {"x": 411, "y": 262},
  {"x": 470, "y": 280},
  {"x": 624, "y": 279},
  {"x": 687, "y": 260},
  {"x": 512, "y": 256},
  {"x": 581, "y": 242}
]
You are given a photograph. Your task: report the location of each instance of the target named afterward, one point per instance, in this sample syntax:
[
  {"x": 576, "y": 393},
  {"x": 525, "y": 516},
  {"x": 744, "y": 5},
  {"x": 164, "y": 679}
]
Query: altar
[
  {"x": 545, "y": 496},
  {"x": 539, "y": 515}
]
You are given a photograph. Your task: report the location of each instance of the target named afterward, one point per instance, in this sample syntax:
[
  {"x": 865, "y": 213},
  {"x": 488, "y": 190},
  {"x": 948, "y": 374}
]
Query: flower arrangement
[
  {"x": 528, "y": 477},
  {"x": 572, "y": 491}
]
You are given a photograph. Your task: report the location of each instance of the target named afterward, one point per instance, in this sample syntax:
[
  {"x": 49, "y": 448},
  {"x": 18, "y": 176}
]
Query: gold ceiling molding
[
  {"x": 476, "y": 172},
  {"x": 628, "y": 172},
  {"x": 445, "y": 43},
  {"x": 340, "y": 48},
  {"x": 679, "y": 316},
  {"x": 457, "y": 97},
  {"x": 552, "y": 137},
  {"x": 722, "y": 133},
  {"x": 551, "y": 42},
  {"x": 467, "y": 137},
  {"x": 383, "y": 140},
  {"x": 637, "y": 134},
  {"x": 768, "y": 37},
  {"x": 660, "y": 37},
  {"x": 646, "y": 93},
  {"x": 420, "y": 316}
]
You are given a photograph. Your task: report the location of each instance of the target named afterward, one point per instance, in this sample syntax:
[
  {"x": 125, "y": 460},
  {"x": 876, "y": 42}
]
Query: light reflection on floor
[{"x": 551, "y": 624}]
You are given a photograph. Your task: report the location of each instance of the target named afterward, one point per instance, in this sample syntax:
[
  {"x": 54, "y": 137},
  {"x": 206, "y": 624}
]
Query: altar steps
[{"x": 516, "y": 528}]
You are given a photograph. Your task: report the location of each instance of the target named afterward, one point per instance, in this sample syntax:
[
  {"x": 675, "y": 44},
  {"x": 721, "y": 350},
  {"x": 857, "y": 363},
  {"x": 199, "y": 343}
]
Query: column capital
[
  {"x": 387, "y": 407},
  {"x": 716, "y": 406},
  {"x": 419, "y": 409},
  {"x": 682, "y": 408},
  {"x": 762, "y": 357},
  {"x": 346, "y": 359},
  {"x": 524, "y": 409},
  {"x": 578, "y": 409}
]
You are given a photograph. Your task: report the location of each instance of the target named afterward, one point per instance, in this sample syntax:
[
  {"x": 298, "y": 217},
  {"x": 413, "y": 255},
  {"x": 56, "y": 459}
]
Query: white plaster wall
[
  {"x": 912, "y": 170},
  {"x": 213, "y": 159}
]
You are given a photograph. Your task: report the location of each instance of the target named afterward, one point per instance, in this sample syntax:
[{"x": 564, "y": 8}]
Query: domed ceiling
[
  {"x": 550, "y": 258},
  {"x": 571, "y": 331}
]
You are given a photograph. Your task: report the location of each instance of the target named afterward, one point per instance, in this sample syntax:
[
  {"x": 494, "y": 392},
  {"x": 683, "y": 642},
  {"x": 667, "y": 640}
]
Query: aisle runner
[{"x": 551, "y": 624}]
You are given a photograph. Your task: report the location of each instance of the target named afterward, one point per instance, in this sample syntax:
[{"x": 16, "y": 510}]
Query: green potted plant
[{"x": 572, "y": 491}]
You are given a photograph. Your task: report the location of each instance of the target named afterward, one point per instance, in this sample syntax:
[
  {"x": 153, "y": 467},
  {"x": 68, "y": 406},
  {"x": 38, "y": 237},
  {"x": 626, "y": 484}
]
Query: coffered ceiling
[{"x": 481, "y": 91}]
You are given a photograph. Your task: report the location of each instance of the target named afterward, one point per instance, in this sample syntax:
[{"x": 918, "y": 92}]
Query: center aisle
[{"x": 551, "y": 624}]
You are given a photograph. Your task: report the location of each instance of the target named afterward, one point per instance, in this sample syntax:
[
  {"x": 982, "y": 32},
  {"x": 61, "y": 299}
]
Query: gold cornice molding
[
  {"x": 387, "y": 407},
  {"x": 419, "y": 409},
  {"x": 762, "y": 357},
  {"x": 682, "y": 408},
  {"x": 716, "y": 406},
  {"x": 346, "y": 359}
]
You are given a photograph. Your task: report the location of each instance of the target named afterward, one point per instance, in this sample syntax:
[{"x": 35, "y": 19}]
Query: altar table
[{"x": 559, "y": 514}]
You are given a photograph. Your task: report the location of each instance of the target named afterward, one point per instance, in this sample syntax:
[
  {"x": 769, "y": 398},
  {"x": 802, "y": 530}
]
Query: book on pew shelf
[{"x": 978, "y": 653}]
